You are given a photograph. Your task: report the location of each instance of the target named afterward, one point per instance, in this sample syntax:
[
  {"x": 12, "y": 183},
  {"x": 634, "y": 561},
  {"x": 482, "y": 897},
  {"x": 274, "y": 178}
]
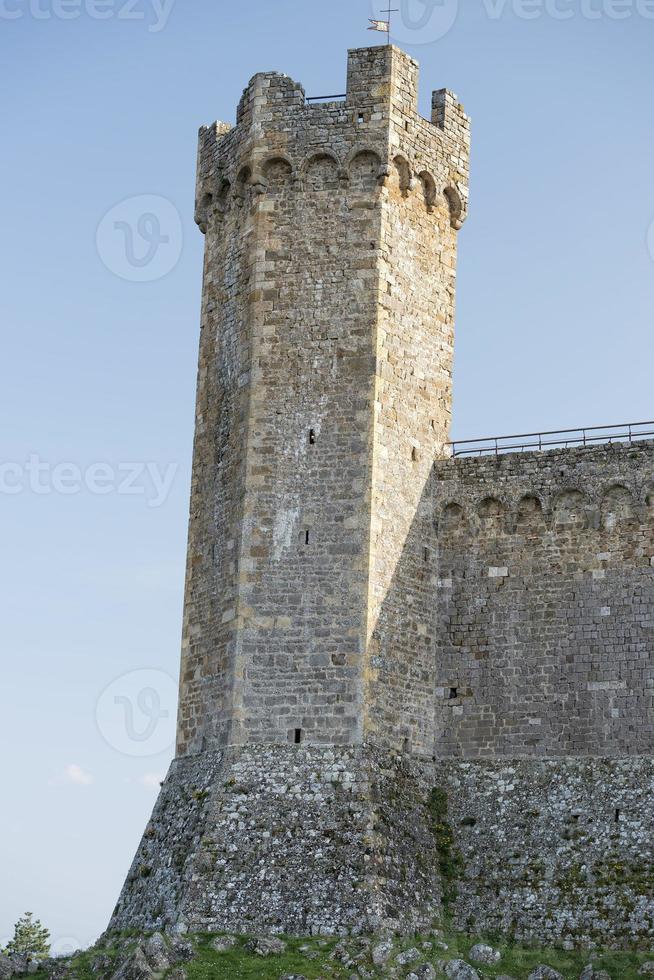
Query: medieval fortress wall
[
  {"x": 544, "y": 725},
  {"x": 546, "y": 604},
  {"x": 408, "y": 682}
]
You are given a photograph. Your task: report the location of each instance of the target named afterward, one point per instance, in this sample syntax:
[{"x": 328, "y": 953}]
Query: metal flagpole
[{"x": 390, "y": 12}]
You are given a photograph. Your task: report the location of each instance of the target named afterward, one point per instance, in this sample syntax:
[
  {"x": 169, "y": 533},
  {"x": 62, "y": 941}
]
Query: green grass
[
  {"x": 244, "y": 965},
  {"x": 311, "y": 958}
]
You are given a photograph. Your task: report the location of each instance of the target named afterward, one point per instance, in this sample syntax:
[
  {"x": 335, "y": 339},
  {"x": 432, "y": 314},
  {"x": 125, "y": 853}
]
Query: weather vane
[{"x": 384, "y": 25}]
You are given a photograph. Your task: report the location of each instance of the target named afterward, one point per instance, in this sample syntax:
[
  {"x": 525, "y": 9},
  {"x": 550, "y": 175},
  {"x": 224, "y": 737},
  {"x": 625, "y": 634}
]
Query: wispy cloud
[{"x": 72, "y": 775}]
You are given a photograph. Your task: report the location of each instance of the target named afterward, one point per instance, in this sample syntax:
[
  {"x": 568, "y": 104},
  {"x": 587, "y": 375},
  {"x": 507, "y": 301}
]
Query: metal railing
[
  {"x": 326, "y": 98},
  {"x": 561, "y": 439}
]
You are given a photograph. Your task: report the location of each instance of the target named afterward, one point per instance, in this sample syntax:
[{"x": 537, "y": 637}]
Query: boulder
[
  {"x": 222, "y": 944},
  {"x": 590, "y": 973},
  {"x": 156, "y": 952},
  {"x": 135, "y": 967},
  {"x": 266, "y": 946},
  {"x": 408, "y": 956},
  {"x": 381, "y": 952},
  {"x": 481, "y": 953},
  {"x": 181, "y": 950},
  {"x": 460, "y": 970},
  {"x": 423, "y": 972},
  {"x": 647, "y": 969},
  {"x": 545, "y": 973},
  {"x": 6, "y": 968}
]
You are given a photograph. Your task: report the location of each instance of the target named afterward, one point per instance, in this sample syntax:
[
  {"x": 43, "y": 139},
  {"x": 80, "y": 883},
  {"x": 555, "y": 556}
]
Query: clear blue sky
[{"x": 556, "y": 293}]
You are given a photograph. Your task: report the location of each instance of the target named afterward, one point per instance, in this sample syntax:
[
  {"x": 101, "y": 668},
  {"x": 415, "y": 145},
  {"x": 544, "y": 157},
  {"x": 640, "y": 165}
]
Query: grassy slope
[{"x": 311, "y": 958}]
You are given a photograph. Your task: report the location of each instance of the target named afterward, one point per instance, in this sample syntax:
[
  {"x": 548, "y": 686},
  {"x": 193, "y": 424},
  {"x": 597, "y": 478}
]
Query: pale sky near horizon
[{"x": 101, "y": 106}]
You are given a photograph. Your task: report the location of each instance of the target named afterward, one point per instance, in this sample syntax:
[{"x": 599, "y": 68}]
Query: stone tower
[{"x": 324, "y": 395}]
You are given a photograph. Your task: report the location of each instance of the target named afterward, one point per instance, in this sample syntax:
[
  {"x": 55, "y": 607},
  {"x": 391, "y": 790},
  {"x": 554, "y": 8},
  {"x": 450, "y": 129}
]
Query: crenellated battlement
[
  {"x": 560, "y": 490},
  {"x": 379, "y": 116}
]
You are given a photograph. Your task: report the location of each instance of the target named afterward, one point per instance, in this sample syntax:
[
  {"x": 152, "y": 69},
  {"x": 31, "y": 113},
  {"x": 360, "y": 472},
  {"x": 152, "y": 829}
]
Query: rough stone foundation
[
  {"x": 555, "y": 850},
  {"x": 293, "y": 839}
]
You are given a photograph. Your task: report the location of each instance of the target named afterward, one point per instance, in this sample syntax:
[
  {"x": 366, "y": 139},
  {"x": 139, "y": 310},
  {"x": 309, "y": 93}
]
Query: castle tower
[{"x": 324, "y": 395}]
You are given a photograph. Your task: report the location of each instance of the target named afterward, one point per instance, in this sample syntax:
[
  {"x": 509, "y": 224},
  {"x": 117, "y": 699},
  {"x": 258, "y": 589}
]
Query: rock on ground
[
  {"x": 266, "y": 946},
  {"x": 460, "y": 970},
  {"x": 135, "y": 967},
  {"x": 381, "y": 952},
  {"x": 545, "y": 973},
  {"x": 156, "y": 952},
  {"x": 224, "y": 943},
  {"x": 481, "y": 953},
  {"x": 408, "y": 956},
  {"x": 423, "y": 972}
]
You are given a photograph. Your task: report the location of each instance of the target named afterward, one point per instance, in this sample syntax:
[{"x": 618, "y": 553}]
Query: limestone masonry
[{"x": 410, "y": 684}]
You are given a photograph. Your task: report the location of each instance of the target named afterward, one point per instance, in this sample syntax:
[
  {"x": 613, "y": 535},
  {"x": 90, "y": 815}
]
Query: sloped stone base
[{"x": 301, "y": 840}]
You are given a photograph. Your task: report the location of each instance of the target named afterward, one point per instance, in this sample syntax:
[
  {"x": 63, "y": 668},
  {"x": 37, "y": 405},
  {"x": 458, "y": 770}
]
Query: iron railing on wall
[{"x": 562, "y": 439}]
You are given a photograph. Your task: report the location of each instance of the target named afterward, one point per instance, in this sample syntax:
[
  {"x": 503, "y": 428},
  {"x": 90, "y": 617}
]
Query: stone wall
[
  {"x": 295, "y": 839},
  {"x": 545, "y": 595},
  {"x": 555, "y": 850}
]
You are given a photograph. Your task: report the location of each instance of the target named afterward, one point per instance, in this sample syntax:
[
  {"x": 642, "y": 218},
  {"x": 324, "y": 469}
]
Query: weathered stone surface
[
  {"x": 263, "y": 806},
  {"x": 545, "y": 973},
  {"x": 460, "y": 970},
  {"x": 181, "y": 950},
  {"x": 223, "y": 944},
  {"x": 263, "y": 946},
  {"x": 381, "y": 952},
  {"x": 407, "y": 956},
  {"x": 590, "y": 973},
  {"x": 423, "y": 972},
  {"x": 156, "y": 952},
  {"x": 481, "y": 953},
  {"x": 6, "y": 968},
  {"x": 135, "y": 967}
]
